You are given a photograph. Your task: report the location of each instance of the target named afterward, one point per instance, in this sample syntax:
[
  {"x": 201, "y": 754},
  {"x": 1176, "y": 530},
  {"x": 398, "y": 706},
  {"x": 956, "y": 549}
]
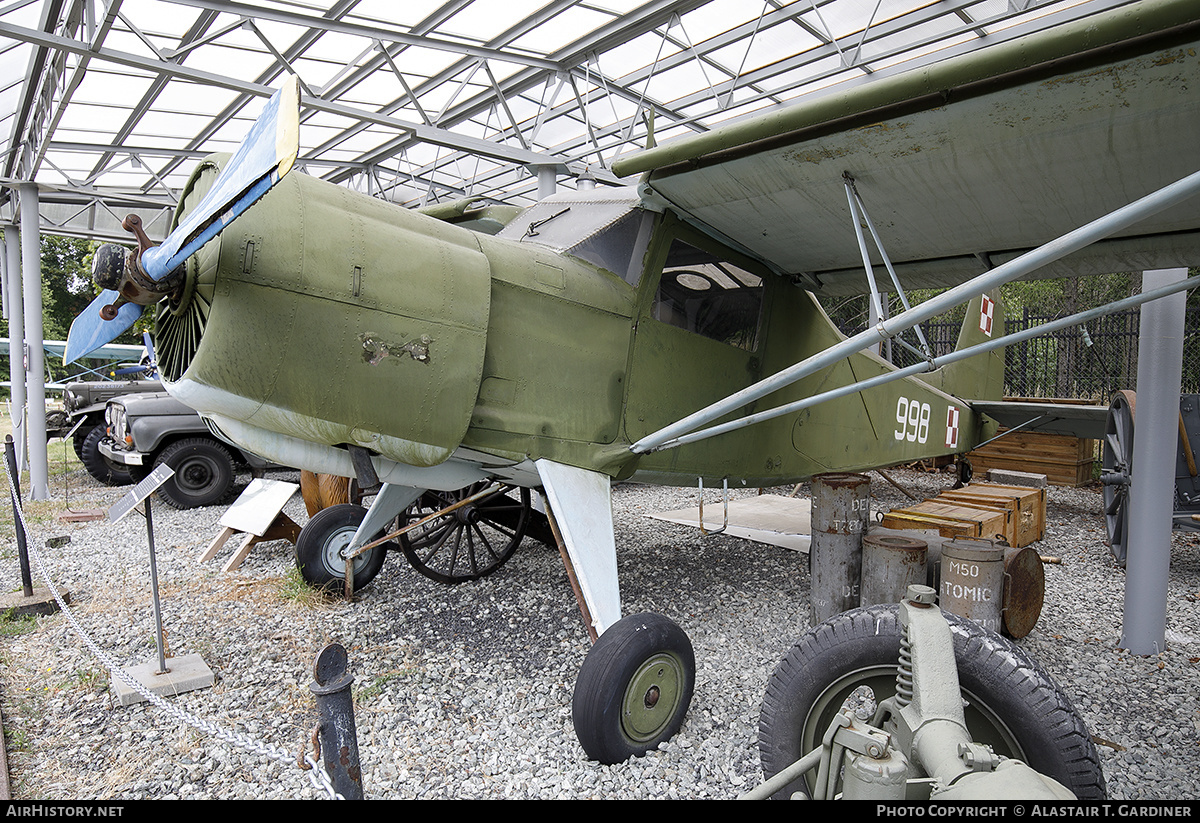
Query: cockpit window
[
  {"x": 709, "y": 296},
  {"x": 604, "y": 227}
]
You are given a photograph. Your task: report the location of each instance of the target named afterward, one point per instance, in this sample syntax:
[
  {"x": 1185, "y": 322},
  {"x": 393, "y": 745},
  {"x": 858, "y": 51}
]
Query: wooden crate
[
  {"x": 951, "y": 519},
  {"x": 1027, "y": 505},
  {"x": 1064, "y": 459}
]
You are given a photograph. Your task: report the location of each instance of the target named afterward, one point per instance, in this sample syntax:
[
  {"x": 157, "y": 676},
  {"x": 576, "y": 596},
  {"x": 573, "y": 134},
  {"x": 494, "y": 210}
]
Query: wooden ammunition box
[
  {"x": 1065, "y": 460},
  {"x": 1027, "y": 506},
  {"x": 952, "y": 519}
]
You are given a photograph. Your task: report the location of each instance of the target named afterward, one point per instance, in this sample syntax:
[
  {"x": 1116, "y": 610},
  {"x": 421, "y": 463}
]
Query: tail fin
[{"x": 980, "y": 377}]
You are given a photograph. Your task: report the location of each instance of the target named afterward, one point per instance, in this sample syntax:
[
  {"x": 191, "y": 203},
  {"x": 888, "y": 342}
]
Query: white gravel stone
[{"x": 465, "y": 691}]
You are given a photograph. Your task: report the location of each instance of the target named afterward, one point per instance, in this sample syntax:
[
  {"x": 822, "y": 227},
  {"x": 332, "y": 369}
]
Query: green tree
[{"x": 67, "y": 289}]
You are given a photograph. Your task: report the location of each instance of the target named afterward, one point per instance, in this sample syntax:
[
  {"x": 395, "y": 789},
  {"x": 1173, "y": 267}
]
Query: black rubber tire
[
  {"x": 1012, "y": 704},
  {"x": 81, "y": 433},
  {"x": 98, "y": 466},
  {"x": 639, "y": 654},
  {"x": 204, "y": 473},
  {"x": 323, "y": 536}
]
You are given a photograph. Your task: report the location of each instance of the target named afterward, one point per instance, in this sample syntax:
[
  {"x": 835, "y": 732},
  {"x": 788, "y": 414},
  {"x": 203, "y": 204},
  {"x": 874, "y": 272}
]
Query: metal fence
[{"x": 1074, "y": 363}]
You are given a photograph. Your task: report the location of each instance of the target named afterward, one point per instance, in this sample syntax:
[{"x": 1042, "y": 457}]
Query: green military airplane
[{"x": 666, "y": 332}]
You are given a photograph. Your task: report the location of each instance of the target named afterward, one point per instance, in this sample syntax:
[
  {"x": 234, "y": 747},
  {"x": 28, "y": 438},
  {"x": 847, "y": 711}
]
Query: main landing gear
[{"x": 634, "y": 688}]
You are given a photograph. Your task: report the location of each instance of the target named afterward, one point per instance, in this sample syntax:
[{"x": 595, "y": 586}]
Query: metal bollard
[
  {"x": 841, "y": 509},
  {"x": 335, "y": 719}
]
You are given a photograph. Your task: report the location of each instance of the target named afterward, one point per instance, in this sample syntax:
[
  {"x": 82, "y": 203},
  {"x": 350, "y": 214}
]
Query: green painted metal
[
  {"x": 337, "y": 319},
  {"x": 411, "y": 337}
]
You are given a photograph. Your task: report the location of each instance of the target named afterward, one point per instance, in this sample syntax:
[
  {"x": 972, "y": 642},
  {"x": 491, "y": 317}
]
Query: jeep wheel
[
  {"x": 98, "y": 466},
  {"x": 203, "y": 476}
]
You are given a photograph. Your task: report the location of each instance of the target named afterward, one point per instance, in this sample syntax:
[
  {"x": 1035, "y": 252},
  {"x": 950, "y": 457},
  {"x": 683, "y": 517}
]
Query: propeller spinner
[{"x": 142, "y": 277}]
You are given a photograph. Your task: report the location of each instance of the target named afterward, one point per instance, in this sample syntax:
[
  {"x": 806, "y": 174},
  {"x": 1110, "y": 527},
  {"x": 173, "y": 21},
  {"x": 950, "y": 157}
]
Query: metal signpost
[{"x": 188, "y": 672}]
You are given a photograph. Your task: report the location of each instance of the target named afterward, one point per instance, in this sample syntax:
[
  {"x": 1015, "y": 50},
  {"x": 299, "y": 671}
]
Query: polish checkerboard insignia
[
  {"x": 987, "y": 309},
  {"x": 952, "y": 427}
]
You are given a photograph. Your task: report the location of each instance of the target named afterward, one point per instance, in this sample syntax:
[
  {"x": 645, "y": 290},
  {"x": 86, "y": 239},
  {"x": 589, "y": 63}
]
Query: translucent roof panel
[{"x": 428, "y": 100}]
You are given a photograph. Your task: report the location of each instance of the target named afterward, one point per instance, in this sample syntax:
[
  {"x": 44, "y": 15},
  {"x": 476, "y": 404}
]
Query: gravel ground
[{"x": 465, "y": 692}]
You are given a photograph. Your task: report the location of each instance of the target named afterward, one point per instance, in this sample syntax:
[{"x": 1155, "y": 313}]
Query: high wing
[{"x": 965, "y": 163}]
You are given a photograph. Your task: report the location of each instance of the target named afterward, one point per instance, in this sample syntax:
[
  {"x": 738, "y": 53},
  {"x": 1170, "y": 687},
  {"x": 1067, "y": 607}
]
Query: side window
[
  {"x": 707, "y": 295},
  {"x": 619, "y": 246}
]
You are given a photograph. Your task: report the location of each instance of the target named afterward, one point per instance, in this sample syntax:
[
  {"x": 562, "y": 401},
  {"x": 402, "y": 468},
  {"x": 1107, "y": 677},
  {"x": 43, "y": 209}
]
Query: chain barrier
[{"x": 316, "y": 772}]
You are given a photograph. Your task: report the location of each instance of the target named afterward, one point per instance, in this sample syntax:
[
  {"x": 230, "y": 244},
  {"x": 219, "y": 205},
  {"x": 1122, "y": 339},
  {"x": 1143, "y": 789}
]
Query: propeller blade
[
  {"x": 263, "y": 158},
  {"x": 151, "y": 357},
  {"x": 90, "y": 331}
]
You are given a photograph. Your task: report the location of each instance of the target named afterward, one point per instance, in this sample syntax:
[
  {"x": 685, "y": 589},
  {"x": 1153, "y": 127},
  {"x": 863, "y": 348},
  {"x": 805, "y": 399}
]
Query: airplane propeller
[{"x": 148, "y": 273}]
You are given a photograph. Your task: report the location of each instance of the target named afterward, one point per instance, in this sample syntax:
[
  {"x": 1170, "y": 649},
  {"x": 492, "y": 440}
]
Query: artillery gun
[{"x": 894, "y": 703}]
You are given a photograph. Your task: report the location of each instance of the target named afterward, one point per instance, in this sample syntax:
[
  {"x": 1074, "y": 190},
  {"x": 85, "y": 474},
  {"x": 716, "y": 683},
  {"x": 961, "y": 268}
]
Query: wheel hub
[
  {"x": 652, "y": 696},
  {"x": 335, "y": 551}
]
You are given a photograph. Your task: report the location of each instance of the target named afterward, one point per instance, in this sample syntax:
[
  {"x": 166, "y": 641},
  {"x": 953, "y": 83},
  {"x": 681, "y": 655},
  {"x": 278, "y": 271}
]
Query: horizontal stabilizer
[{"x": 1049, "y": 418}]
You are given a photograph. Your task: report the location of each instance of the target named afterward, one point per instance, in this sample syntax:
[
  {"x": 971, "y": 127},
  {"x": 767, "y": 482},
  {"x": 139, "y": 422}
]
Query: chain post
[
  {"x": 10, "y": 456},
  {"x": 335, "y": 718}
]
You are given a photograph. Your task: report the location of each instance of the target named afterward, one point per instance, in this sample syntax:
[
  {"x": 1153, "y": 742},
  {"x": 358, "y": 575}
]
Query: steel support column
[
  {"x": 14, "y": 311},
  {"x": 1152, "y": 490},
  {"x": 35, "y": 371}
]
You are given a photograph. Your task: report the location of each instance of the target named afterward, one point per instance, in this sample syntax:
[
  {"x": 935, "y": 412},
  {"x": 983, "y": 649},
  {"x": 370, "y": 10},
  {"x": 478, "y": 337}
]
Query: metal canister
[
  {"x": 841, "y": 510},
  {"x": 890, "y": 564},
  {"x": 972, "y": 582}
]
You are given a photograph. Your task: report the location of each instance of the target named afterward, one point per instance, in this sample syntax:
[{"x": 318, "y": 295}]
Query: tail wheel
[
  {"x": 1011, "y": 703},
  {"x": 634, "y": 688},
  {"x": 470, "y": 542}
]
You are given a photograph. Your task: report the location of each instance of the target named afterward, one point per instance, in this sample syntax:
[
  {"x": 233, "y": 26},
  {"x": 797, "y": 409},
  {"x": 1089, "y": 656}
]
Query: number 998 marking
[{"x": 913, "y": 419}]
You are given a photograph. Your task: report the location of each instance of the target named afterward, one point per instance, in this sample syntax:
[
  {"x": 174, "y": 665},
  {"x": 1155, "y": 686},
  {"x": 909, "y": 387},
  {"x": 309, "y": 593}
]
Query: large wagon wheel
[
  {"x": 469, "y": 542},
  {"x": 1117, "y": 471}
]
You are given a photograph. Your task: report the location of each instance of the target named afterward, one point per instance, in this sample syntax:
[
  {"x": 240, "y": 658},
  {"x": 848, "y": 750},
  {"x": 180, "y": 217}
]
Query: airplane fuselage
[{"x": 331, "y": 318}]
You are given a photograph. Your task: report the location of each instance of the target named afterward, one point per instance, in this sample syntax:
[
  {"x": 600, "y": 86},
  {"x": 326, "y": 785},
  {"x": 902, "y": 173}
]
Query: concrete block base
[
  {"x": 42, "y": 601},
  {"x": 184, "y": 674}
]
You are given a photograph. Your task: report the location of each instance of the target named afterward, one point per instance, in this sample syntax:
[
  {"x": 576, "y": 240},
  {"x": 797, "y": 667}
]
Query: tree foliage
[{"x": 67, "y": 289}]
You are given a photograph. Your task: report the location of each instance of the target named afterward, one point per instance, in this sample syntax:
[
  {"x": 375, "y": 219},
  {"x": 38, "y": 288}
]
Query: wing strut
[
  {"x": 1073, "y": 241},
  {"x": 858, "y": 213},
  {"x": 933, "y": 363}
]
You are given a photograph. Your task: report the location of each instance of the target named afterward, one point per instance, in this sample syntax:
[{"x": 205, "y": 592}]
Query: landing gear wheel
[
  {"x": 98, "y": 466},
  {"x": 1011, "y": 704},
  {"x": 470, "y": 542},
  {"x": 1117, "y": 471},
  {"x": 321, "y": 541},
  {"x": 634, "y": 688},
  {"x": 203, "y": 476}
]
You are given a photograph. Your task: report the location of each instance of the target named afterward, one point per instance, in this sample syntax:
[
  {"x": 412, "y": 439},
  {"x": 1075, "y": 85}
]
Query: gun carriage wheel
[
  {"x": 1011, "y": 704},
  {"x": 1117, "y": 471},
  {"x": 634, "y": 688},
  {"x": 470, "y": 542}
]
